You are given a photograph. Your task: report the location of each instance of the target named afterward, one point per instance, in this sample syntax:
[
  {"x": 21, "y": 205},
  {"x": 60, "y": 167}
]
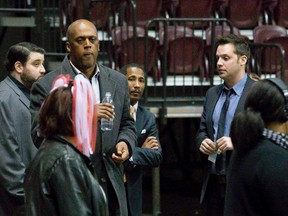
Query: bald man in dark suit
[{"x": 112, "y": 147}]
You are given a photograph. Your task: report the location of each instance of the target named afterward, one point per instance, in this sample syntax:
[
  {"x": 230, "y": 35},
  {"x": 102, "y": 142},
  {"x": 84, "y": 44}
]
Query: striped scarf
[{"x": 279, "y": 138}]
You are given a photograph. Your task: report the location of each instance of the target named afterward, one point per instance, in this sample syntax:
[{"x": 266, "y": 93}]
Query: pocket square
[{"x": 143, "y": 131}]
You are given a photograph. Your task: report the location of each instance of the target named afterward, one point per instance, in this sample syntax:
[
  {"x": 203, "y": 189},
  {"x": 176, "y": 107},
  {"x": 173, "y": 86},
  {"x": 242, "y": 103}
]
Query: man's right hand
[
  {"x": 105, "y": 110},
  {"x": 208, "y": 147}
]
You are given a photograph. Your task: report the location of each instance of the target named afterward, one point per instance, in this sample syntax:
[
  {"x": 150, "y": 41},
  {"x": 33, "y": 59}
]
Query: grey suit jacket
[
  {"x": 146, "y": 126},
  {"x": 16, "y": 147},
  {"x": 206, "y": 124},
  {"x": 123, "y": 130}
]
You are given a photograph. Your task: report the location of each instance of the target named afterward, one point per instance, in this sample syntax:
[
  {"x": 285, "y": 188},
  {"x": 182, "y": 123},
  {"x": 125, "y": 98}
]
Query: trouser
[{"x": 215, "y": 196}]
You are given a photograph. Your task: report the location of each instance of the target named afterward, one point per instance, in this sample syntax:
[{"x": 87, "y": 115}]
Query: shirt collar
[
  {"x": 238, "y": 88},
  {"x": 78, "y": 71},
  {"x": 25, "y": 91}
]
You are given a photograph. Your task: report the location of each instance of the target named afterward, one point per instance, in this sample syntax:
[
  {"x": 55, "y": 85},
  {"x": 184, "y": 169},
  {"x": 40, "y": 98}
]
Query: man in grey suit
[
  {"x": 24, "y": 65},
  {"x": 148, "y": 152},
  {"x": 112, "y": 147},
  {"x": 213, "y": 141}
]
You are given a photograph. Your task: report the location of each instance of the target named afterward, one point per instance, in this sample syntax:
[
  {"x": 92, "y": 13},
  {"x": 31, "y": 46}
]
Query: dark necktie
[{"x": 220, "y": 165}]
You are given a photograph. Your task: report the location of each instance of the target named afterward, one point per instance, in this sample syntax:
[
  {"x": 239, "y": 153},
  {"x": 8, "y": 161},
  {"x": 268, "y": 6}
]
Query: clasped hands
[{"x": 209, "y": 147}]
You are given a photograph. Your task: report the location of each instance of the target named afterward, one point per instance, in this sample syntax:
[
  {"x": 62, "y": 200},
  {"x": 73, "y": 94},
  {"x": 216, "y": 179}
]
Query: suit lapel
[
  {"x": 20, "y": 94},
  {"x": 246, "y": 89},
  {"x": 106, "y": 83},
  {"x": 139, "y": 120},
  {"x": 212, "y": 101}
]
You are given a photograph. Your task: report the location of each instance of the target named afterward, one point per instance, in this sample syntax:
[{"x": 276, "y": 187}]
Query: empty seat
[
  {"x": 281, "y": 13},
  {"x": 99, "y": 13},
  {"x": 172, "y": 32},
  {"x": 145, "y": 10},
  {"x": 185, "y": 56},
  {"x": 266, "y": 32},
  {"x": 197, "y": 9},
  {"x": 223, "y": 29},
  {"x": 182, "y": 50},
  {"x": 129, "y": 47},
  {"x": 244, "y": 14},
  {"x": 272, "y": 58}
]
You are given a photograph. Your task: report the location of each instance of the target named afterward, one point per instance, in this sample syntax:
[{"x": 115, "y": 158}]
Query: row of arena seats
[
  {"x": 244, "y": 14},
  {"x": 178, "y": 53},
  {"x": 172, "y": 54},
  {"x": 182, "y": 50},
  {"x": 106, "y": 14}
]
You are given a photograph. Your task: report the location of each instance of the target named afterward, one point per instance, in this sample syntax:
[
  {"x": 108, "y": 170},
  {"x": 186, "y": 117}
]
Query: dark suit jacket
[
  {"x": 206, "y": 124},
  {"x": 124, "y": 126},
  {"x": 145, "y": 126},
  {"x": 16, "y": 147}
]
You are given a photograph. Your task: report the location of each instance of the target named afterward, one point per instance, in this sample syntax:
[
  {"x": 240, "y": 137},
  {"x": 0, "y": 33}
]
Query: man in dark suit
[
  {"x": 232, "y": 54},
  {"x": 112, "y": 147},
  {"x": 24, "y": 64},
  {"x": 148, "y": 151}
]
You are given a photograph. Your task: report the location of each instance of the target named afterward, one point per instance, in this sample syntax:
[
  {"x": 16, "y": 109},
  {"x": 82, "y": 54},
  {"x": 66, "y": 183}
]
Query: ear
[
  {"x": 18, "y": 67},
  {"x": 68, "y": 47},
  {"x": 243, "y": 60}
]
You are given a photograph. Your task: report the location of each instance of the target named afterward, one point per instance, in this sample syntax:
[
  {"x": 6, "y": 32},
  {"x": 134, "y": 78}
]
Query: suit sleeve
[
  {"x": 11, "y": 164},
  {"x": 127, "y": 130},
  {"x": 38, "y": 94},
  {"x": 148, "y": 157},
  {"x": 203, "y": 130}
]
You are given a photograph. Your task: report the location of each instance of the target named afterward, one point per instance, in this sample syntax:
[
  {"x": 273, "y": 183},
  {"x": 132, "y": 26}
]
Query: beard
[{"x": 28, "y": 80}]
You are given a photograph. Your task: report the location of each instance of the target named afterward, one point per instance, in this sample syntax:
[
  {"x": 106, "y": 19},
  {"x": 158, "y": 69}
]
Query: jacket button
[{"x": 103, "y": 180}]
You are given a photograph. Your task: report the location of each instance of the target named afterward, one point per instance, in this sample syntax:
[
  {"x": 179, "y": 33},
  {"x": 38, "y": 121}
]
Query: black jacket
[
  {"x": 257, "y": 181},
  {"x": 59, "y": 181}
]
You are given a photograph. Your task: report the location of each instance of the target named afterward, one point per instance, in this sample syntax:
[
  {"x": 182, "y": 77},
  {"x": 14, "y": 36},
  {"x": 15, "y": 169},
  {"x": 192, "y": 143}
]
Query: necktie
[
  {"x": 132, "y": 111},
  {"x": 220, "y": 165}
]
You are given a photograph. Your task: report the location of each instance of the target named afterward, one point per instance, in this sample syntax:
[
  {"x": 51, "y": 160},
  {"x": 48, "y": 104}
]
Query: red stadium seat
[
  {"x": 184, "y": 51},
  {"x": 219, "y": 30},
  {"x": 185, "y": 56},
  {"x": 244, "y": 14},
  {"x": 266, "y": 32},
  {"x": 197, "y": 9},
  {"x": 281, "y": 13},
  {"x": 145, "y": 10},
  {"x": 124, "y": 51},
  {"x": 272, "y": 58}
]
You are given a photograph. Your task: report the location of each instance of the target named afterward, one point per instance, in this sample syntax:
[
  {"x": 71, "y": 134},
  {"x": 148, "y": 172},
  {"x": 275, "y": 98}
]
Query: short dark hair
[
  {"x": 264, "y": 104},
  {"x": 55, "y": 115},
  {"x": 241, "y": 45},
  {"x": 123, "y": 70},
  {"x": 20, "y": 52}
]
